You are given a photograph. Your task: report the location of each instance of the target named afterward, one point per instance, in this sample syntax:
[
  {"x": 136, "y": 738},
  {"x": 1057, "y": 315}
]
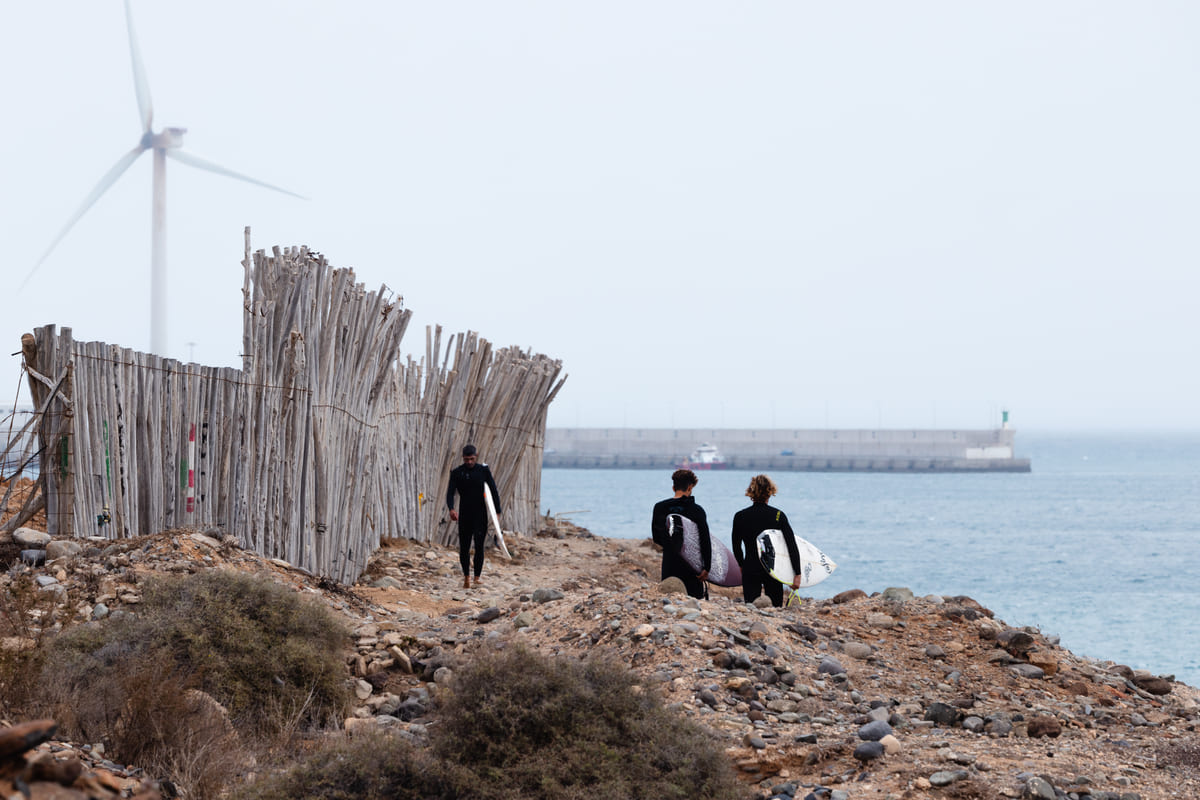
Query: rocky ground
[{"x": 879, "y": 695}]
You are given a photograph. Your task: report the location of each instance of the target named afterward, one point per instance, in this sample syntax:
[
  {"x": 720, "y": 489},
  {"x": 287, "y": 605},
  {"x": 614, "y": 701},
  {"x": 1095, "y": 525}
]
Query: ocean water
[{"x": 1100, "y": 544}]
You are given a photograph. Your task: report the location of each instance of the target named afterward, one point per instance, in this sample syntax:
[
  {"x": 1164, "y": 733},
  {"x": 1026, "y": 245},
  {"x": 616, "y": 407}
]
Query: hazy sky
[{"x": 796, "y": 214}]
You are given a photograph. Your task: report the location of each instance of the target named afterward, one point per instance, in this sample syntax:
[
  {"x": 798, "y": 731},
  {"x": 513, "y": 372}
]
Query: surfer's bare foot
[
  {"x": 466, "y": 582},
  {"x": 477, "y": 584}
]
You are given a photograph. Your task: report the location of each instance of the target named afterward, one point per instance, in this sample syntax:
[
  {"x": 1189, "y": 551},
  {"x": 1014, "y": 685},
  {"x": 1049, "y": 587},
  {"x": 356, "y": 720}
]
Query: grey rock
[
  {"x": 750, "y": 740},
  {"x": 942, "y": 714},
  {"x": 99, "y": 611},
  {"x": 935, "y": 651},
  {"x": 388, "y": 582},
  {"x": 874, "y": 731},
  {"x": 868, "y": 751},
  {"x": 897, "y": 594},
  {"x": 1029, "y": 671},
  {"x": 880, "y": 714},
  {"x": 28, "y": 537},
  {"x": 546, "y": 595},
  {"x": 1038, "y": 789},
  {"x": 973, "y": 724},
  {"x": 488, "y": 614},
  {"x": 947, "y": 777},
  {"x": 1015, "y": 642},
  {"x": 410, "y": 709},
  {"x": 858, "y": 650},
  {"x": 830, "y": 666},
  {"x": 523, "y": 620},
  {"x": 33, "y": 558}
]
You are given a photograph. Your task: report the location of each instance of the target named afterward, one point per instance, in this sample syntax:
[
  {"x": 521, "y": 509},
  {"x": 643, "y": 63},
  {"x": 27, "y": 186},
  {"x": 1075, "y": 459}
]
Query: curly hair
[
  {"x": 681, "y": 479},
  {"x": 761, "y": 489}
]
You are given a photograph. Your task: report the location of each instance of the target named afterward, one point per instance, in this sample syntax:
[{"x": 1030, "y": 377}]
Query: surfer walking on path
[
  {"x": 747, "y": 525},
  {"x": 468, "y": 480},
  {"x": 683, "y": 481}
]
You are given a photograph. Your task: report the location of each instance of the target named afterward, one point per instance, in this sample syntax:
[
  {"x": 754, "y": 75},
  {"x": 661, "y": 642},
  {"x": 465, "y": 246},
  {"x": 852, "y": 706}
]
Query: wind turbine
[{"x": 165, "y": 144}]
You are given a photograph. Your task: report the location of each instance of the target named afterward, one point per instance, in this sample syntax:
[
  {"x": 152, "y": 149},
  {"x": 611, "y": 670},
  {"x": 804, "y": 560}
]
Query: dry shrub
[
  {"x": 155, "y": 685},
  {"x": 529, "y": 726},
  {"x": 26, "y": 614},
  {"x": 368, "y": 767},
  {"x": 177, "y": 731},
  {"x": 518, "y": 725}
]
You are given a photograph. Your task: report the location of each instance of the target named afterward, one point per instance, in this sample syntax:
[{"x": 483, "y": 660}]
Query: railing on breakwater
[{"x": 321, "y": 445}]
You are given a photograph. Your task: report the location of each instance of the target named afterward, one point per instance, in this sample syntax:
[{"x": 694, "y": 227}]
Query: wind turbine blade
[
  {"x": 108, "y": 180},
  {"x": 140, "y": 84},
  {"x": 200, "y": 163}
]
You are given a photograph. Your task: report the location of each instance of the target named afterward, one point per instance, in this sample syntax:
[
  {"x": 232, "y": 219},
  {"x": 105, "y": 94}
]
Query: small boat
[{"x": 706, "y": 456}]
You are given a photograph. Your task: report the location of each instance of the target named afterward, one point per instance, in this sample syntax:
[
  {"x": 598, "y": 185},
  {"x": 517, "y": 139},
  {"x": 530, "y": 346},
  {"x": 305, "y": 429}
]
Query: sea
[{"x": 1099, "y": 545}]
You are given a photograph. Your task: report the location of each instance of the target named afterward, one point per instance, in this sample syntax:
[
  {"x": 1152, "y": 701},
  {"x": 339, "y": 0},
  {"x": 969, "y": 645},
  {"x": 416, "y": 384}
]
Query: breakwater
[{"x": 800, "y": 450}]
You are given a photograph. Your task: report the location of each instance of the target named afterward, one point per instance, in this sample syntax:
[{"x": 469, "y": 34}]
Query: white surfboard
[
  {"x": 491, "y": 509},
  {"x": 815, "y": 566}
]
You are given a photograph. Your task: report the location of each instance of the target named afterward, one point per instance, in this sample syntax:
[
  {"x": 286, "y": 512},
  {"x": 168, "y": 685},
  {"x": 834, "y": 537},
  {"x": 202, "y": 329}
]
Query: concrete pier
[{"x": 990, "y": 450}]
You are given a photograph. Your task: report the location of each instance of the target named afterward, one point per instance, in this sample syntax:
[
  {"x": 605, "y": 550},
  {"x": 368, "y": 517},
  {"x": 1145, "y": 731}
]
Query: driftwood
[{"x": 324, "y": 443}]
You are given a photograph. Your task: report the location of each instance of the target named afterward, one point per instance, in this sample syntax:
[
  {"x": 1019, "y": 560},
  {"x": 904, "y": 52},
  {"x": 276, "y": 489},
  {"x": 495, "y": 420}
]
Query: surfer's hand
[
  {"x": 703, "y": 575},
  {"x": 453, "y": 515},
  {"x": 796, "y": 582}
]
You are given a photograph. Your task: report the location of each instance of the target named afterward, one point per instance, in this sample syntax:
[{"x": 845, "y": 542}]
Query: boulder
[
  {"x": 672, "y": 586},
  {"x": 1044, "y": 726},
  {"x": 1152, "y": 684},
  {"x": 29, "y": 538},
  {"x": 897, "y": 594}
]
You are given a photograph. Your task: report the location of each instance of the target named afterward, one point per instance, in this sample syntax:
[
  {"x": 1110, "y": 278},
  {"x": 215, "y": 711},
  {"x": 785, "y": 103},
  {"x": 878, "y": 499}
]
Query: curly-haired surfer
[{"x": 747, "y": 525}]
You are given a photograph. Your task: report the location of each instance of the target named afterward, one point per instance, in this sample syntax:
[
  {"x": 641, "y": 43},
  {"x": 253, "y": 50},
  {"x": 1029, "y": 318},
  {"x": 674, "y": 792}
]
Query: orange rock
[{"x": 25, "y": 736}]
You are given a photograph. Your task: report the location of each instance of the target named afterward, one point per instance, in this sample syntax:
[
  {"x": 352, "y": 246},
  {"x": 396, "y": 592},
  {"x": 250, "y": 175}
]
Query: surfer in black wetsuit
[
  {"x": 747, "y": 525},
  {"x": 683, "y": 481},
  {"x": 468, "y": 479}
]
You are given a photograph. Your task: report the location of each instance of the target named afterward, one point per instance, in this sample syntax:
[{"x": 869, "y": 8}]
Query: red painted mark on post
[{"x": 191, "y": 484}]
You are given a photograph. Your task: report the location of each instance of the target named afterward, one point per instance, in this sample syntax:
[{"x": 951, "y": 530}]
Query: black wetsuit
[
  {"x": 469, "y": 481},
  {"x": 673, "y": 565},
  {"x": 747, "y": 525}
]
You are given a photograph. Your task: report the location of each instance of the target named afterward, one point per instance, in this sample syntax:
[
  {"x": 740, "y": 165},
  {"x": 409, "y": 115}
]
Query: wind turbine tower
[{"x": 167, "y": 143}]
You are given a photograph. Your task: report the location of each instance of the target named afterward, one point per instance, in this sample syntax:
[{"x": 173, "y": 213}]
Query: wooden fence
[{"x": 325, "y": 442}]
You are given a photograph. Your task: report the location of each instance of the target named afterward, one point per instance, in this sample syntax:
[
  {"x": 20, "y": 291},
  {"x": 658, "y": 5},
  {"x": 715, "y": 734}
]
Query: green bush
[
  {"x": 519, "y": 725},
  {"x": 273, "y": 659}
]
